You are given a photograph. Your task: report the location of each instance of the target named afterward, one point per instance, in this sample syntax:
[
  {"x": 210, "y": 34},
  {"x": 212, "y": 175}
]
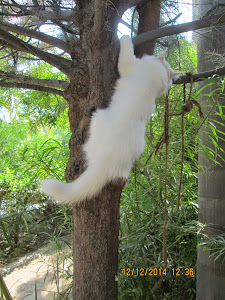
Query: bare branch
[
  {"x": 43, "y": 12},
  {"x": 200, "y": 76},
  {"x": 128, "y": 25},
  {"x": 10, "y": 46},
  {"x": 175, "y": 29},
  {"x": 172, "y": 21},
  {"x": 214, "y": 8},
  {"x": 34, "y": 81},
  {"x": 64, "y": 15},
  {"x": 64, "y": 28},
  {"x": 31, "y": 87},
  {"x": 38, "y": 35},
  {"x": 61, "y": 63}
]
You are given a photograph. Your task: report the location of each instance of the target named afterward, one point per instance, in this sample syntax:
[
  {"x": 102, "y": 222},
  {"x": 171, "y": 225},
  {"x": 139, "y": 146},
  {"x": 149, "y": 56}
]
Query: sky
[{"x": 186, "y": 9}]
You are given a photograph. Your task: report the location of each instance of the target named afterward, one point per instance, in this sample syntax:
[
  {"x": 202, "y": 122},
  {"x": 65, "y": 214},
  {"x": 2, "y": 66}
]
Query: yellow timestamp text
[
  {"x": 183, "y": 271},
  {"x": 188, "y": 272}
]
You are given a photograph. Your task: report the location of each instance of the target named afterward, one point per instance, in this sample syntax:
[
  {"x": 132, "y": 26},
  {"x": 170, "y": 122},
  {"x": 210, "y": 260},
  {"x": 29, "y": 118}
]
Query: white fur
[{"x": 117, "y": 133}]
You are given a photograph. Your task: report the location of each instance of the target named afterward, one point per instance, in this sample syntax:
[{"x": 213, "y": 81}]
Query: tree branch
[
  {"x": 172, "y": 21},
  {"x": 175, "y": 29},
  {"x": 64, "y": 28},
  {"x": 38, "y": 35},
  {"x": 41, "y": 12},
  {"x": 31, "y": 87},
  {"x": 61, "y": 63},
  {"x": 214, "y": 8},
  {"x": 200, "y": 76},
  {"x": 10, "y": 46},
  {"x": 128, "y": 25},
  {"x": 64, "y": 15},
  {"x": 34, "y": 81}
]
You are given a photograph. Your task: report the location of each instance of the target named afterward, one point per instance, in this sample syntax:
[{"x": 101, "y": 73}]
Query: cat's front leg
[{"x": 127, "y": 59}]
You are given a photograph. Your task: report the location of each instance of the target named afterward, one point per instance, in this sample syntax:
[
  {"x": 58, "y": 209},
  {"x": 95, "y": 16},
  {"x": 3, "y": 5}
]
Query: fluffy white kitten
[{"x": 117, "y": 133}]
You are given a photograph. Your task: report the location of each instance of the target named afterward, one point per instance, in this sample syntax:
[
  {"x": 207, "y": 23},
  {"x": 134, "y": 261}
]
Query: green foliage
[
  {"x": 62, "y": 264},
  {"x": 4, "y": 293},
  {"x": 212, "y": 128},
  {"x": 216, "y": 246},
  {"x": 142, "y": 211},
  {"x": 33, "y": 146}
]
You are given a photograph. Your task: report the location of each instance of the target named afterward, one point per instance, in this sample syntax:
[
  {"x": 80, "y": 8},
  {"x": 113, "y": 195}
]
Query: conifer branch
[
  {"x": 30, "y": 87},
  {"x": 176, "y": 29},
  {"x": 42, "y": 12},
  {"x": 34, "y": 81},
  {"x": 61, "y": 63},
  {"x": 200, "y": 76},
  {"x": 38, "y": 35}
]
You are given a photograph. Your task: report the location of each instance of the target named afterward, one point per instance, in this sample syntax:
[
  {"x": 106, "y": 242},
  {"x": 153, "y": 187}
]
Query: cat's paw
[
  {"x": 126, "y": 41},
  {"x": 175, "y": 76}
]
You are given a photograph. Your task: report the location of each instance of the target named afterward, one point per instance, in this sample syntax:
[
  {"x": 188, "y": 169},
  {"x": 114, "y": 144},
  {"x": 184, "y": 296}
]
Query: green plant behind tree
[{"x": 33, "y": 146}]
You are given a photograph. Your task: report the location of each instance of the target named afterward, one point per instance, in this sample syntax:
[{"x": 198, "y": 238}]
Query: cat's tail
[{"x": 88, "y": 185}]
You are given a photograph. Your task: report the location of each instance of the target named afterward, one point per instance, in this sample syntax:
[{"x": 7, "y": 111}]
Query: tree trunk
[
  {"x": 210, "y": 273},
  {"x": 149, "y": 15},
  {"x": 96, "y": 230},
  {"x": 96, "y": 221}
]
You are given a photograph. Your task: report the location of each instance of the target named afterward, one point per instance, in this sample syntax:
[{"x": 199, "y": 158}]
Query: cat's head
[
  {"x": 158, "y": 71},
  {"x": 171, "y": 74}
]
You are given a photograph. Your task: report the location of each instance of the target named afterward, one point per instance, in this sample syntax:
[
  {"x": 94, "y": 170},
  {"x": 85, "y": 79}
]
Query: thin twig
[
  {"x": 158, "y": 283},
  {"x": 135, "y": 188},
  {"x": 182, "y": 161},
  {"x": 180, "y": 28},
  {"x": 132, "y": 23},
  {"x": 213, "y": 8},
  {"x": 182, "y": 148},
  {"x": 191, "y": 85},
  {"x": 200, "y": 76}
]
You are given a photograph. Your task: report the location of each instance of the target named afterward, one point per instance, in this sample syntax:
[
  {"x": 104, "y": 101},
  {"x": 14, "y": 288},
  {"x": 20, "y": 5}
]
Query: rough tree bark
[
  {"x": 211, "y": 196},
  {"x": 96, "y": 222}
]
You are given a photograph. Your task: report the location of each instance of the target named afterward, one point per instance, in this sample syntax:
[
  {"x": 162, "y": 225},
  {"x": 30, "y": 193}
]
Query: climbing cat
[{"x": 117, "y": 133}]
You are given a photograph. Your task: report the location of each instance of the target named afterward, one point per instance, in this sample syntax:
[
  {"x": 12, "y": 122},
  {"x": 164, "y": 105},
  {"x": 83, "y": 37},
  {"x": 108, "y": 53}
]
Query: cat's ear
[{"x": 161, "y": 56}]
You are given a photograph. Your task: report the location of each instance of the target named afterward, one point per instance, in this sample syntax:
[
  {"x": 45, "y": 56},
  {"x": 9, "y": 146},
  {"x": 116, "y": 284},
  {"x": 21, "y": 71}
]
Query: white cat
[{"x": 117, "y": 133}]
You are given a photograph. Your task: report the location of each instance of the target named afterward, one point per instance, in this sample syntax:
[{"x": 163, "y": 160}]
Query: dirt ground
[{"x": 43, "y": 269}]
